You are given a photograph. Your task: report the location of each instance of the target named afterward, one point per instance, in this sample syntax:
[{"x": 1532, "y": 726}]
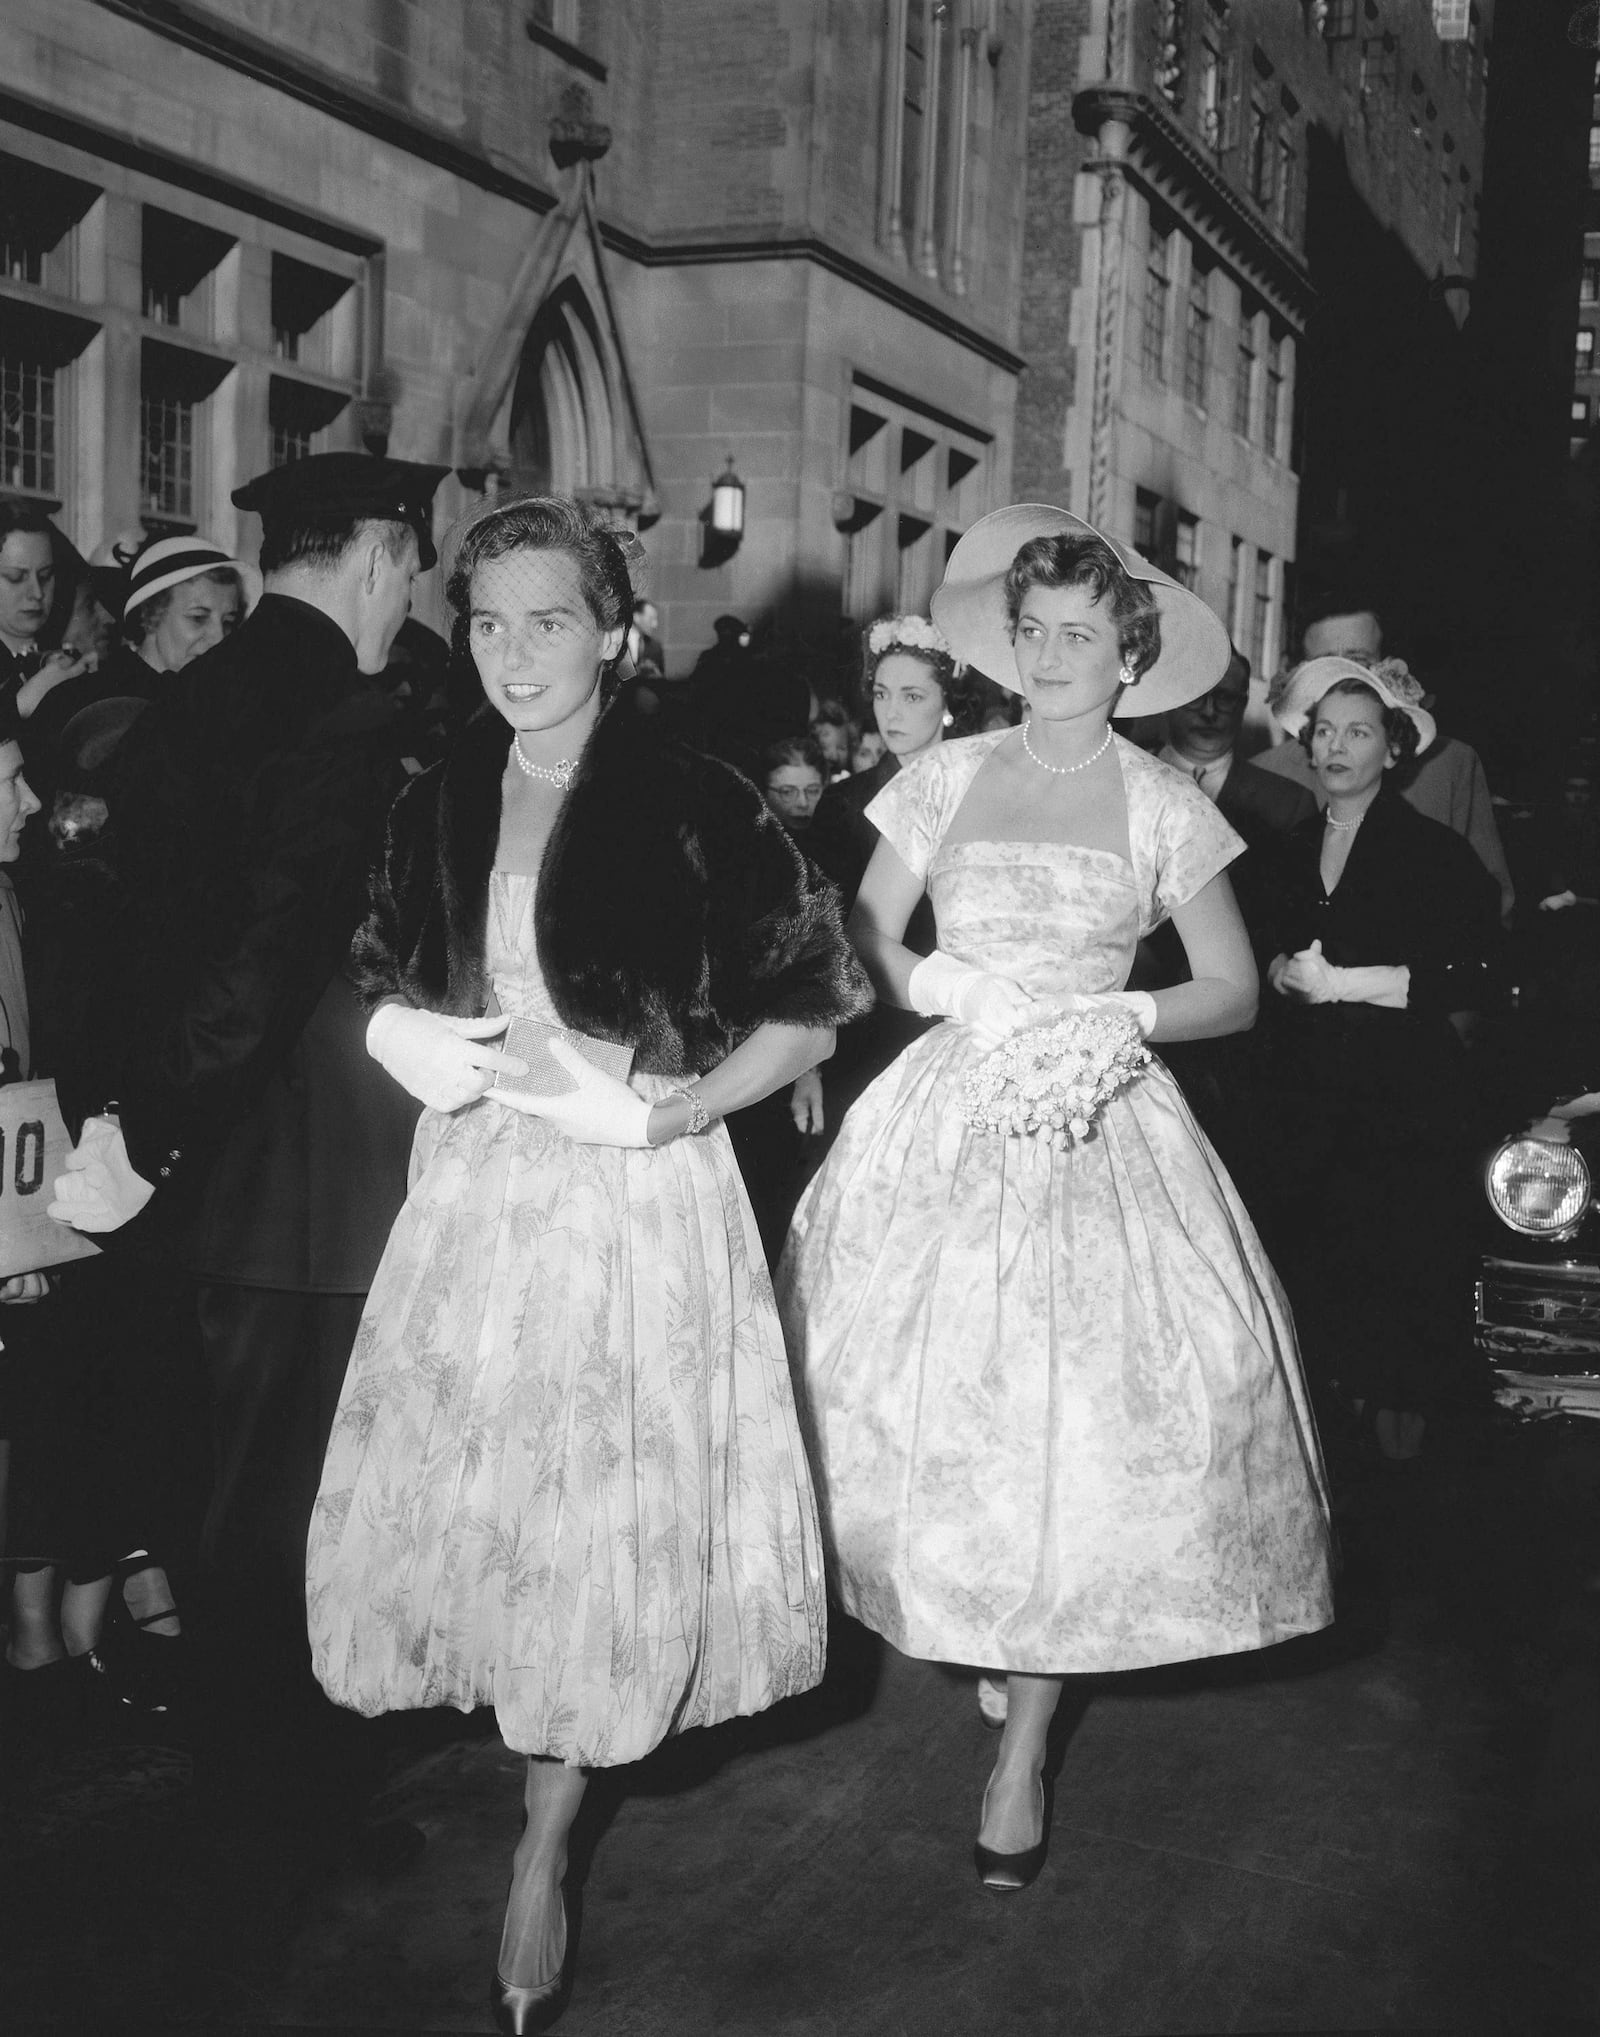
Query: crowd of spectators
[{"x": 122, "y": 1472}]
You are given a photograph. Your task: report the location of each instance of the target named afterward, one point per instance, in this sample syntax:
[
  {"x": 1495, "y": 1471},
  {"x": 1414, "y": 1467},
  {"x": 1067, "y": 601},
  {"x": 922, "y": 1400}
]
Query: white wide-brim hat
[
  {"x": 1307, "y": 684},
  {"x": 970, "y": 607},
  {"x": 170, "y": 561}
]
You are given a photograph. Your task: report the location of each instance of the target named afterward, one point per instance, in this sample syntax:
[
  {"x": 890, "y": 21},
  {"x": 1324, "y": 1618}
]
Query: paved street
[{"x": 1392, "y": 1829}]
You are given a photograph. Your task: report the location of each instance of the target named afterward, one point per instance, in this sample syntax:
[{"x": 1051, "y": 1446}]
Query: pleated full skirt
[
  {"x": 566, "y": 1476},
  {"x": 1057, "y": 1411}
]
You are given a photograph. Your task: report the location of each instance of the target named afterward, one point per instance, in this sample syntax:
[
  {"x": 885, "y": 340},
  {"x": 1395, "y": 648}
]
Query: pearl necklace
[
  {"x": 1345, "y": 827},
  {"x": 552, "y": 774},
  {"x": 1064, "y": 770}
]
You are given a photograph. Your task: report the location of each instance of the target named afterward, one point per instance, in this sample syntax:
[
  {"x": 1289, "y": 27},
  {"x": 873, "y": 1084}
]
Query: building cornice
[
  {"x": 183, "y": 173},
  {"x": 269, "y": 64},
  {"x": 686, "y": 253},
  {"x": 1168, "y": 148}
]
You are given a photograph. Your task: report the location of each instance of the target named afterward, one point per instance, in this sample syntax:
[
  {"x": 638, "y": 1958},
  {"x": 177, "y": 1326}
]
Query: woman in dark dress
[
  {"x": 1384, "y": 924},
  {"x": 915, "y": 693},
  {"x": 35, "y": 602}
]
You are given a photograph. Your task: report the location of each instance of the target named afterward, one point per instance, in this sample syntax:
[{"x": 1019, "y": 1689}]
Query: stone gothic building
[{"x": 608, "y": 246}]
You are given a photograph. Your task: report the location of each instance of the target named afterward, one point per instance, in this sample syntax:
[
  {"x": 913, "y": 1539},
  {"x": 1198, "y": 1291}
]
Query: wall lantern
[{"x": 727, "y": 503}]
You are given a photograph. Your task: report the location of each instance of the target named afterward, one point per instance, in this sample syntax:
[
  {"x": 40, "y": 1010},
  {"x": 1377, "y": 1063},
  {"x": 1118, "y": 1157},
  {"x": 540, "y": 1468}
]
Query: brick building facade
[
  {"x": 601, "y": 245},
  {"x": 1220, "y": 190}
]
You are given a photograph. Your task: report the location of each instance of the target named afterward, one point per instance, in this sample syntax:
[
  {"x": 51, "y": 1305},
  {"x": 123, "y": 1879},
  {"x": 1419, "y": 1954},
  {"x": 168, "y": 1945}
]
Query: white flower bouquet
[{"x": 1052, "y": 1081}]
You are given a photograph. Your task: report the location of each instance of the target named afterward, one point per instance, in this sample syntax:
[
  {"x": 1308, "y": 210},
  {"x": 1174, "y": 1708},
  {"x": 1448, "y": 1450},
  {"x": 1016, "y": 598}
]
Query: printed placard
[{"x": 33, "y": 1151}]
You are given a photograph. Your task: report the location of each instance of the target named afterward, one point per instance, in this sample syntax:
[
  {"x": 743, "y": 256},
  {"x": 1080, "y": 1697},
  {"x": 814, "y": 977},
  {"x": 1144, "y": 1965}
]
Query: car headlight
[{"x": 1537, "y": 1186}]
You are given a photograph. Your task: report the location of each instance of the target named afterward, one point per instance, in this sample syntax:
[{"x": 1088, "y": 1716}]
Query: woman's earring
[
  {"x": 949, "y": 719},
  {"x": 1128, "y": 676}
]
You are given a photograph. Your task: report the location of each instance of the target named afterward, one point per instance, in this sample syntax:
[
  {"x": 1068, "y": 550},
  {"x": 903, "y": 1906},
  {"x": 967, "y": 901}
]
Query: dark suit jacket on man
[{"x": 1259, "y": 806}]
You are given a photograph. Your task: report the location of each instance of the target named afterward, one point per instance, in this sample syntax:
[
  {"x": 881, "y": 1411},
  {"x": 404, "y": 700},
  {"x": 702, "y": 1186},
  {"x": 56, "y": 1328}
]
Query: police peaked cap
[{"x": 335, "y": 488}]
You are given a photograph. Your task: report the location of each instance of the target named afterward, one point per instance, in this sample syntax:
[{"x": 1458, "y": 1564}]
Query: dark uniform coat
[{"x": 216, "y": 1015}]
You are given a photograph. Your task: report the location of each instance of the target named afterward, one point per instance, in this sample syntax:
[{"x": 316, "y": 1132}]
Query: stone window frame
[
  {"x": 30, "y": 396},
  {"x": 915, "y": 478},
  {"x": 39, "y": 336},
  {"x": 933, "y": 167},
  {"x": 1277, "y": 393},
  {"x": 1216, "y": 97},
  {"x": 1186, "y": 544},
  {"x": 1264, "y": 588},
  {"x": 1236, "y": 552},
  {"x": 1146, "y": 522},
  {"x": 1247, "y": 368},
  {"x": 1197, "y": 331},
  {"x": 1155, "y": 324},
  {"x": 95, "y": 295}
]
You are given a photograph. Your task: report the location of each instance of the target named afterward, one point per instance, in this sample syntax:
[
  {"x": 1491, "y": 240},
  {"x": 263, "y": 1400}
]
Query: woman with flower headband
[
  {"x": 1384, "y": 924},
  {"x": 565, "y": 1478},
  {"x": 1059, "y": 1423},
  {"x": 913, "y": 690}
]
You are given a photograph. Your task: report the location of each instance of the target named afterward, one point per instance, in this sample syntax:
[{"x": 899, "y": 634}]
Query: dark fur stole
[{"x": 673, "y": 911}]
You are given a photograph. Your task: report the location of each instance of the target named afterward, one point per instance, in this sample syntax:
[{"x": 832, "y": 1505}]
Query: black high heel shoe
[
  {"x": 523, "y": 2011},
  {"x": 1004, "y": 1874}
]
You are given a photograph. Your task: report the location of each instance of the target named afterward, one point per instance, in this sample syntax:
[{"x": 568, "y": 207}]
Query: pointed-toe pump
[
  {"x": 524, "y": 2011},
  {"x": 1003, "y": 1874}
]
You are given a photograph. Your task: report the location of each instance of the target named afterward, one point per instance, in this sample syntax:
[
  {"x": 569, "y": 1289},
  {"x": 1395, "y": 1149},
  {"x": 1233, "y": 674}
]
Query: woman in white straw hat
[
  {"x": 1058, "y": 1412},
  {"x": 176, "y": 598},
  {"x": 185, "y": 594},
  {"x": 1385, "y": 923}
]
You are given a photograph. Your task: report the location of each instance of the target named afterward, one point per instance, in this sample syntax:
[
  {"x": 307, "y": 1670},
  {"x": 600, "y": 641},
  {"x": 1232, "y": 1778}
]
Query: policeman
[{"x": 229, "y": 1111}]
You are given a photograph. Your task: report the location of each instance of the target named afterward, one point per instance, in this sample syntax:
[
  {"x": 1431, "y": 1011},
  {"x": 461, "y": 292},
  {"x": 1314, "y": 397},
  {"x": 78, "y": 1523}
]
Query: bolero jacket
[{"x": 673, "y": 910}]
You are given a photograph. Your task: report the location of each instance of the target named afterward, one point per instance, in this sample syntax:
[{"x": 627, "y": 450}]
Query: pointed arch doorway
[{"x": 564, "y": 431}]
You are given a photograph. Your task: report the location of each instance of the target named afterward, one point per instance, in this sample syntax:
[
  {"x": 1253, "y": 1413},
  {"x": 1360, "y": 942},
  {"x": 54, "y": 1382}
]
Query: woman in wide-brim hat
[
  {"x": 1059, "y": 1419},
  {"x": 1384, "y": 922}
]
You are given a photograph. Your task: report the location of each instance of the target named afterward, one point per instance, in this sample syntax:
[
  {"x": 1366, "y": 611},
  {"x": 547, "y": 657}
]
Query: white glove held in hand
[
  {"x": 442, "y": 1062},
  {"x": 99, "y": 1191},
  {"x": 1309, "y": 978},
  {"x": 993, "y": 1006},
  {"x": 1139, "y": 1005},
  {"x": 601, "y": 1111}
]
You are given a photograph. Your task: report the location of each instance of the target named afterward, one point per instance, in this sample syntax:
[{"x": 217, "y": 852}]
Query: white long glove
[
  {"x": 1139, "y": 1005},
  {"x": 1309, "y": 978},
  {"x": 99, "y": 1190},
  {"x": 440, "y": 1061},
  {"x": 993, "y": 1006},
  {"x": 600, "y": 1111}
]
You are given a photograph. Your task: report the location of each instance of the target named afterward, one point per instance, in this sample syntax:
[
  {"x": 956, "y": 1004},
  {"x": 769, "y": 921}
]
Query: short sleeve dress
[{"x": 1057, "y": 1410}]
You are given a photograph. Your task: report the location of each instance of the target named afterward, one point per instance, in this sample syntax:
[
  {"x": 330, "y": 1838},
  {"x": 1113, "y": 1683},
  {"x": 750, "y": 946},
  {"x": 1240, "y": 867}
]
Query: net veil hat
[
  {"x": 1394, "y": 686},
  {"x": 970, "y": 607}
]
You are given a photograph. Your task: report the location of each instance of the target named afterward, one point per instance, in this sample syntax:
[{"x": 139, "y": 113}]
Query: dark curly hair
[
  {"x": 542, "y": 523},
  {"x": 1071, "y": 561},
  {"x": 1399, "y": 730},
  {"x": 953, "y": 681}
]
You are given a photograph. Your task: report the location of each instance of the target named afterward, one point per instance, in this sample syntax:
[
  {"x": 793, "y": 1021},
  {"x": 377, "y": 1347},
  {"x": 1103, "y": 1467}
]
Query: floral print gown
[
  {"x": 1058, "y": 1414},
  {"x": 566, "y": 1476}
]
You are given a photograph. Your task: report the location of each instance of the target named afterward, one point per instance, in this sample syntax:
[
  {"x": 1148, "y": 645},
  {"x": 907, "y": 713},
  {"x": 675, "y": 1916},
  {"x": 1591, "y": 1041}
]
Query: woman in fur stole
[{"x": 566, "y": 1478}]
